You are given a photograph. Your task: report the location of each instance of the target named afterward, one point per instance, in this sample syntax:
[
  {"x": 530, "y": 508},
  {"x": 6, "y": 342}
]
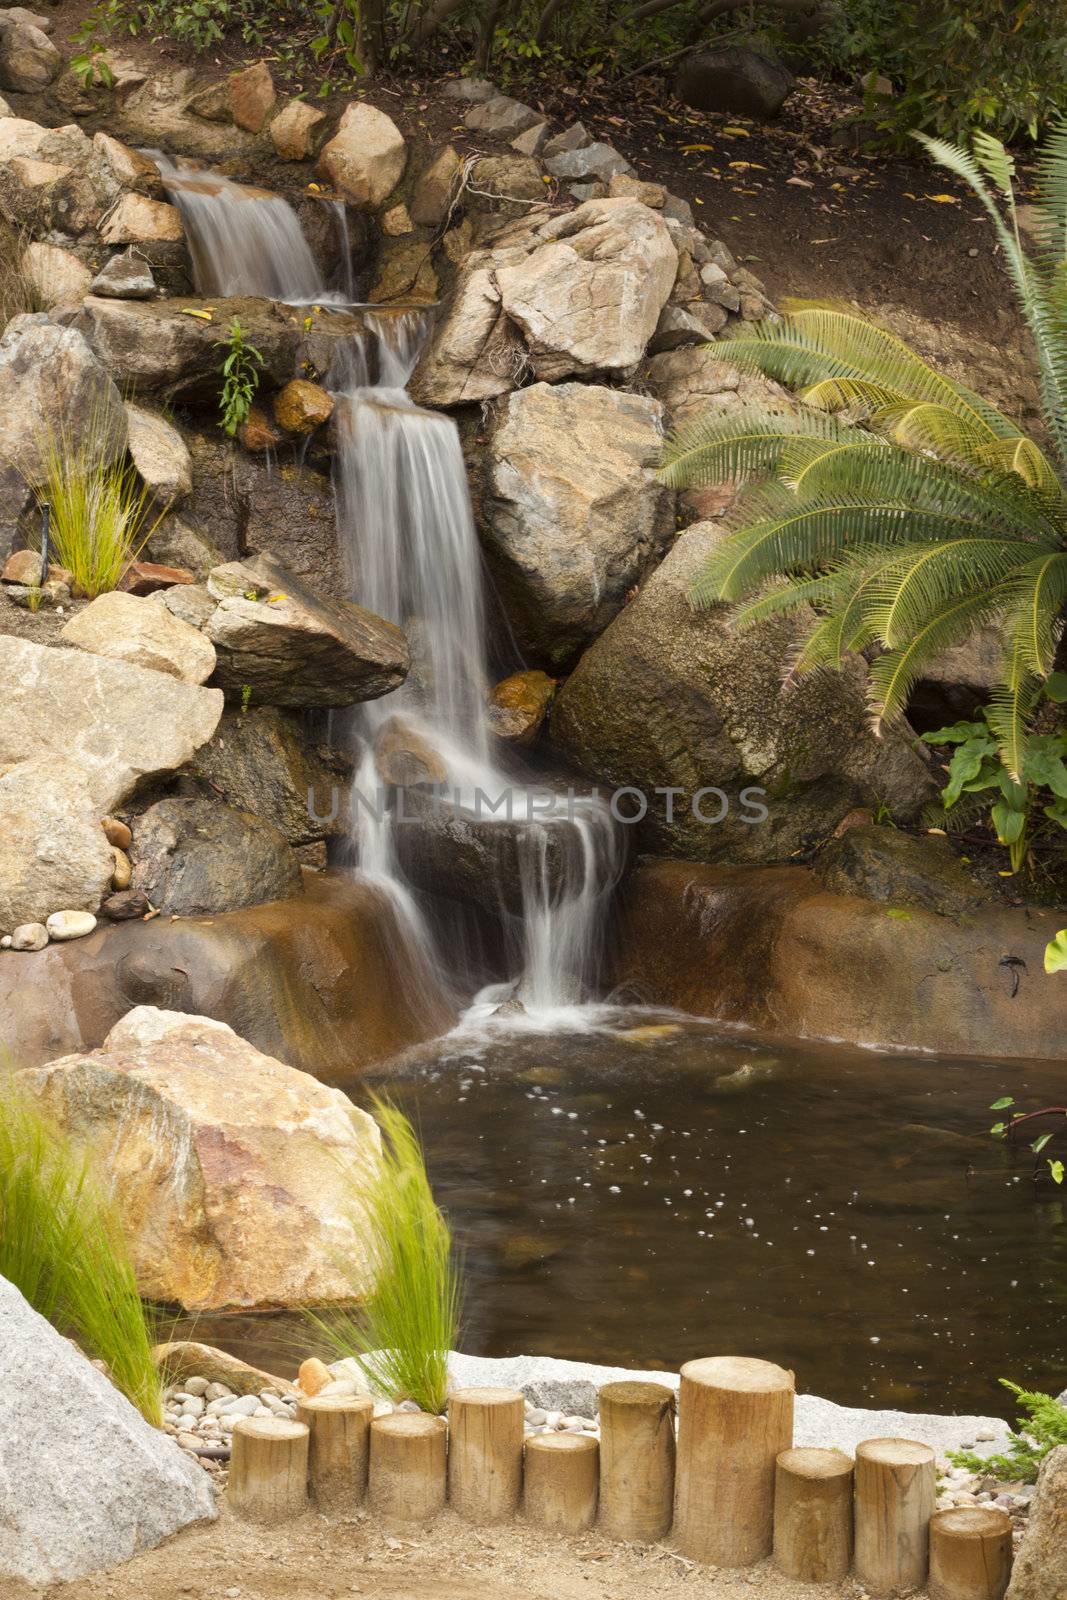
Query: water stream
[{"x": 411, "y": 555}]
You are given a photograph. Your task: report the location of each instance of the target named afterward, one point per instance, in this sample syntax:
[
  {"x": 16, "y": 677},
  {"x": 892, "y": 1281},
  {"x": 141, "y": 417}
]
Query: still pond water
[{"x": 657, "y": 1189}]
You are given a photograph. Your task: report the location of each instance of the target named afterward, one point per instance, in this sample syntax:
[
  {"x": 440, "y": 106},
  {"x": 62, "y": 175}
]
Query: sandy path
[{"x": 318, "y": 1559}]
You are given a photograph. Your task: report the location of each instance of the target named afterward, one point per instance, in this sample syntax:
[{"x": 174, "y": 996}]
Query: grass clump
[
  {"x": 1042, "y": 1426},
  {"x": 402, "y": 1333},
  {"x": 63, "y": 1247},
  {"x": 100, "y": 508}
]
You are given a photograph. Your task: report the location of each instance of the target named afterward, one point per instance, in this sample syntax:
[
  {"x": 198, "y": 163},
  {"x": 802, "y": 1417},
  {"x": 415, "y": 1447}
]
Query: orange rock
[
  {"x": 117, "y": 833},
  {"x": 145, "y": 577},
  {"x": 313, "y": 1375},
  {"x": 252, "y": 97},
  {"x": 301, "y": 407},
  {"x": 518, "y": 706},
  {"x": 258, "y": 434}
]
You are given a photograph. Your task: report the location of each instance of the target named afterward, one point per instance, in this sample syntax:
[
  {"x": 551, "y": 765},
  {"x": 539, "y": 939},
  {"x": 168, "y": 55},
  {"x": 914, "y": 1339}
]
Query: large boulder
[
  {"x": 771, "y": 948},
  {"x": 696, "y": 381},
  {"x": 589, "y": 295},
  {"x": 673, "y": 697},
  {"x": 28, "y": 58},
  {"x": 157, "y": 113},
  {"x": 128, "y": 628},
  {"x": 572, "y": 508},
  {"x": 87, "y": 1482},
  {"x": 194, "y": 857},
  {"x": 232, "y": 1172},
  {"x": 735, "y": 79},
  {"x": 154, "y": 347},
  {"x": 279, "y": 643},
  {"x": 52, "y": 388},
  {"x": 121, "y": 724},
  {"x": 1040, "y": 1570},
  {"x": 56, "y": 275},
  {"x": 263, "y": 759},
  {"x": 366, "y": 157},
  {"x": 53, "y": 853},
  {"x": 328, "y": 981},
  {"x": 899, "y": 869}
]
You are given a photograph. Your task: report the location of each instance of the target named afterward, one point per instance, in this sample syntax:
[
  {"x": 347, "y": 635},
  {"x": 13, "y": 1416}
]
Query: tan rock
[
  {"x": 187, "y": 1115},
  {"x": 138, "y": 220},
  {"x": 313, "y": 1376},
  {"x": 148, "y": 577},
  {"x": 301, "y": 406},
  {"x": 185, "y": 1358},
  {"x": 22, "y": 566},
  {"x": 293, "y": 130},
  {"x": 122, "y": 167},
  {"x": 131, "y": 629},
  {"x": 397, "y": 221},
  {"x": 435, "y": 189},
  {"x": 117, "y": 833},
  {"x": 365, "y": 159},
  {"x": 518, "y": 706},
  {"x": 57, "y": 275},
  {"x": 252, "y": 97},
  {"x": 123, "y": 873},
  {"x": 406, "y": 273},
  {"x": 160, "y": 455}
]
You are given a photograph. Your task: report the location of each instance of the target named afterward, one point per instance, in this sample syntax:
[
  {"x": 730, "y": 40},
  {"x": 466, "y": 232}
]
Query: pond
[{"x": 656, "y": 1188}]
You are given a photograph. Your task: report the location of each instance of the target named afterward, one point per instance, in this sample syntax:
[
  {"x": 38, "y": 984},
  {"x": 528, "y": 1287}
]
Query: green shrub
[
  {"x": 1042, "y": 1427},
  {"x": 62, "y": 1246},
  {"x": 101, "y": 511},
  {"x": 241, "y": 367},
  {"x": 403, "y": 1331}
]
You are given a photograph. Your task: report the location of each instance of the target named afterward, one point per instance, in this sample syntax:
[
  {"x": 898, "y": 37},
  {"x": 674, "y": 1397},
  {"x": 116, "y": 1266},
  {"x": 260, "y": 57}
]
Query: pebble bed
[{"x": 201, "y": 1415}]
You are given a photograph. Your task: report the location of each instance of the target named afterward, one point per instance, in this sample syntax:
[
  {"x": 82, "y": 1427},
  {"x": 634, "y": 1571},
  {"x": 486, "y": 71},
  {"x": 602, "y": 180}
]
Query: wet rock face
[
  {"x": 670, "y": 696},
  {"x": 185, "y": 1111},
  {"x": 195, "y": 857},
  {"x": 324, "y": 980},
  {"x": 898, "y": 869},
  {"x": 263, "y": 760},
  {"x": 87, "y": 1481},
  {"x": 770, "y": 947},
  {"x": 573, "y": 513}
]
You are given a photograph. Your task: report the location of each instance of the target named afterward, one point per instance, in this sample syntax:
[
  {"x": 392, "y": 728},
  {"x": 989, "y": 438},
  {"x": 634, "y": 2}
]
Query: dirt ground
[{"x": 316, "y": 1559}]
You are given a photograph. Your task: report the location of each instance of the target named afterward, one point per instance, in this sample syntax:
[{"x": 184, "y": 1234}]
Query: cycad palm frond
[{"x": 899, "y": 504}]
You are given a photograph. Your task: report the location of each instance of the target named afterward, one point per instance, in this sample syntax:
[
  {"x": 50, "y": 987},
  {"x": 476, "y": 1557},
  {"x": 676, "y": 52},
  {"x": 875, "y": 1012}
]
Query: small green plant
[
  {"x": 1056, "y": 953},
  {"x": 1009, "y": 1131},
  {"x": 62, "y": 1246},
  {"x": 1042, "y": 1427},
  {"x": 101, "y": 512},
  {"x": 241, "y": 367},
  {"x": 246, "y": 698},
  {"x": 402, "y": 1333},
  {"x": 977, "y": 768}
]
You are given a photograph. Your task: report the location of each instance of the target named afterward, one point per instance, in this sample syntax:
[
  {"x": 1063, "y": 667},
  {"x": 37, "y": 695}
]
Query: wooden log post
[
  {"x": 735, "y": 1417},
  {"x": 408, "y": 1466},
  {"x": 970, "y": 1554},
  {"x": 894, "y": 1501},
  {"x": 268, "y": 1469},
  {"x": 560, "y": 1481},
  {"x": 485, "y": 1453},
  {"x": 813, "y": 1515},
  {"x": 637, "y": 1454},
  {"x": 338, "y": 1448}
]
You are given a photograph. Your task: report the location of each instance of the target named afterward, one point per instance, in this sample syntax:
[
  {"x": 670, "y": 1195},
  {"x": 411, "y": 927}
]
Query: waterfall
[
  {"x": 411, "y": 554},
  {"x": 242, "y": 241}
]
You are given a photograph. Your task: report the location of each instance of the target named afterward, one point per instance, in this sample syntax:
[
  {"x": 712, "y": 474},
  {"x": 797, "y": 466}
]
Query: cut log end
[
  {"x": 970, "y": 1553},
  {"x": 560, "y": 1486},
  {"x": 486, "y": 1428},
  {"x": 408, "y": 1474},
  {"x": 268, "y": 1469}
]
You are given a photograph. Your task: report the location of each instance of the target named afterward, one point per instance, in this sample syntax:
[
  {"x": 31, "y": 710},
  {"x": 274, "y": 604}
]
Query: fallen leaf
[
  {"x": 800, "y": 183},
  {"x": 943, "y": 199},
  {"x": 737, "y": 133},
  {"x": 192, "y": 311}
]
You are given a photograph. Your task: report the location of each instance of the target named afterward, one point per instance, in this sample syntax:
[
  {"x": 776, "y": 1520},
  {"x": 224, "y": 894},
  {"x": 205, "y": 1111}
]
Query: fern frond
[
  {"x": 721, "y": 448},
  {"x": 1036, "y": 596},
  {"x": 791, "y": 594},
  {"x": 894, "y": 675},
  {"x": 924, "y": 579},
  {"x": 1011, "y": 708}
]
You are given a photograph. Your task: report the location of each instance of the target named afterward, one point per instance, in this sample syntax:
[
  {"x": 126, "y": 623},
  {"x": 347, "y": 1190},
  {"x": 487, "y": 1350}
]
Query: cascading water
[
  {"x": 411, "y": 555},
  {"x": 246, "y": 241}
]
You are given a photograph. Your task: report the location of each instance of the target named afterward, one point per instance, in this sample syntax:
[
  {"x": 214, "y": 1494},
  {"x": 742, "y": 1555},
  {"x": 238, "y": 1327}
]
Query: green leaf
[
  {"x": 1056, "y": 687},
  {"x": 1003, "y": 1103},
  {"x": 1040, "y": 1142},
  {"x": 1057, "y": 1170},
  {"x": 1009, "y": 823},
  {"x": 1056, "y": 953},
  {"x": 958, "y": 733}
]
